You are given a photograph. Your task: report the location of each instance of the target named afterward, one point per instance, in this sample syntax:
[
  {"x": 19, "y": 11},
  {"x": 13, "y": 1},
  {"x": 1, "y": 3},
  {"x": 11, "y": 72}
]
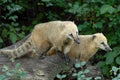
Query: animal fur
[
  {"x": 51, "y": 35},
  {"x": 89, "y": 45}
]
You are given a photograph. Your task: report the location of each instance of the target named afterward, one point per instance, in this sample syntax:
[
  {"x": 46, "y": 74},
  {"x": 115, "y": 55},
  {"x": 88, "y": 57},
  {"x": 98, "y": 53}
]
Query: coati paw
[
  {"x": 61, "y": 54},
  {"x": 67, "y": 58}
]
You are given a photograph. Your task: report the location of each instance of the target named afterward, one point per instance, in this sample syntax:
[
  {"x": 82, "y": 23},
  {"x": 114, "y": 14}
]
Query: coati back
[
  {"x": 45, "y": 35},
  {"x": 89, "y": 45}
]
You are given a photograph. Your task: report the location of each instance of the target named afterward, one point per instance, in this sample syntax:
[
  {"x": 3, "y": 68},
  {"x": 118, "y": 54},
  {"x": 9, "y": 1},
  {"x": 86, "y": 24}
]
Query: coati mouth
[
  {"x": 75, "y": 38},
  {"x": 108, "y": 49}
]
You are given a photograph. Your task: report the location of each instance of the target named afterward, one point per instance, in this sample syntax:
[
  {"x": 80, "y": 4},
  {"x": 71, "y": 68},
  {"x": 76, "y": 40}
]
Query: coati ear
[
  {"x": 73, "y": 21},
  {"x": 93, "y": 37}
]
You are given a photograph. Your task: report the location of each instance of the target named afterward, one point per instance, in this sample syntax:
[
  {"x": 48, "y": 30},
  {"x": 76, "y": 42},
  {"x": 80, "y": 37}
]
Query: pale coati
[
  {"x": 89, "y": 45},
  {"x": 51, "y": 34}
]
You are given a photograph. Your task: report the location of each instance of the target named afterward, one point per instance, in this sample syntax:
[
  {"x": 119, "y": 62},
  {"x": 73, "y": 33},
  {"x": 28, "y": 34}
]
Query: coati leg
[
  {"x": 63, "y": 48},
  {"x": 65, "y": 51},
  {"x": 52, "y": 51},
  {"x": 66, "y": 48}
]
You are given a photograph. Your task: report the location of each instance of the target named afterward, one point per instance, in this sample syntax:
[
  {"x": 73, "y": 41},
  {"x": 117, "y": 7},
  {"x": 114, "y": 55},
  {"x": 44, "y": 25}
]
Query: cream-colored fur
[
  {"x": 89, "y": 45},
  {"x": 51, "y": 34}
]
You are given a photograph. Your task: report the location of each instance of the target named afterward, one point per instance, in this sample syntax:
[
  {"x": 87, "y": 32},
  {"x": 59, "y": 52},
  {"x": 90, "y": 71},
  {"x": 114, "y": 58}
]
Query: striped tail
[{"x": 18, "y": 52}]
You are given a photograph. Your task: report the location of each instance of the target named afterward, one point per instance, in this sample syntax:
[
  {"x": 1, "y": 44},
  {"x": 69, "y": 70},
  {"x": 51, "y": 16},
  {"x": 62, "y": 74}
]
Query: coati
[
  {"x": 50, "y": 34},
  {"x": 89, "y": 45}
]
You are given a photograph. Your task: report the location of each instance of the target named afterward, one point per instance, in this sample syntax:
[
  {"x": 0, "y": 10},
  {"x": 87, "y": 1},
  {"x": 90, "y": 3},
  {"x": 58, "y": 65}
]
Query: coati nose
[{"x": 108, "y": 49}]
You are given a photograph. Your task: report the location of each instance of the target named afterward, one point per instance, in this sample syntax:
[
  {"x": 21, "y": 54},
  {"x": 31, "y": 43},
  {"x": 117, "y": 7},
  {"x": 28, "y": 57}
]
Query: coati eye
[
  {"x": 102, "y": 42},
  {"x": 65, "y": 43},
  {"x": 71, "y": 35}
]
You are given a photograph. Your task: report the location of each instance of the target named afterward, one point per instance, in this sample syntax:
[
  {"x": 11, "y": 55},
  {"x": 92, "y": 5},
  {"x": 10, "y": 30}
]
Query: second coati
[{"x": 89, "y": 45}]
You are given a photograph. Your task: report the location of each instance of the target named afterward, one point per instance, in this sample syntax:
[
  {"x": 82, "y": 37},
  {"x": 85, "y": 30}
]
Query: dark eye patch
[
  {"x": 71, "y": 34},
  {"x": 102, "y": 42}
]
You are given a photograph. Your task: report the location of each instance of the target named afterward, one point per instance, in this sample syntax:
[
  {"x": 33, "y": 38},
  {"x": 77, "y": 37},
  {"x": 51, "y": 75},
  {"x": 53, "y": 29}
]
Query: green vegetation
[
  {"x": 18, "y": 18},
  {"x": 79, "y": 74},
  {"x": 12, "y": 74},
  {"x": 115, "y": 72}
]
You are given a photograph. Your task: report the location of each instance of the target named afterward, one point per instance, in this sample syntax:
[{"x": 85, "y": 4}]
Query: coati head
[
  {"x": 101, "y": 41},
  {"x": 73, "y": 32}
]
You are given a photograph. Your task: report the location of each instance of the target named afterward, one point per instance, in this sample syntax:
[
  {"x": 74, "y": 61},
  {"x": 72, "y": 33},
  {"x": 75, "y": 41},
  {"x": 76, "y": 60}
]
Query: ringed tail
[{"x": 18, "y": 52}]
